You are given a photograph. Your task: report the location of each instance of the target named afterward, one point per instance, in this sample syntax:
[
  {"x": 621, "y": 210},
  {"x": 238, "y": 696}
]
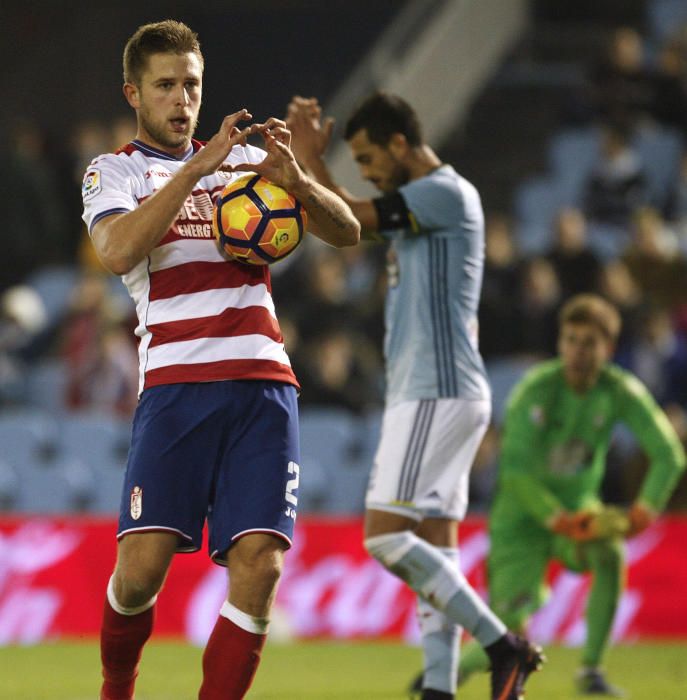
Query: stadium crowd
[{"x": 620, "y": 235}]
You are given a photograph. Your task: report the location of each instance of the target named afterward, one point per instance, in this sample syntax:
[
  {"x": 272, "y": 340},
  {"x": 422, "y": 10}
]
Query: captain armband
[{"x": 393, "y": 213}]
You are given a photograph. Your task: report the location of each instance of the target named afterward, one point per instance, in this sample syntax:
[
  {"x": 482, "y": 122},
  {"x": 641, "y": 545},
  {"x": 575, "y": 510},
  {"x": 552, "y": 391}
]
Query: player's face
[
  {"x": 584, "y": 350},
  {"x": 378, "y": 164},
  {"x": 168, "y": 100}
]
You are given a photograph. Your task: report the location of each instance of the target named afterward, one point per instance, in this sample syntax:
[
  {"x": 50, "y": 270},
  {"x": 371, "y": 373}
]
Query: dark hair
[
  {"x": 383, "y": 115},
  {"x": 592, "y": 309},
  {"x": 168, "y": 36}
]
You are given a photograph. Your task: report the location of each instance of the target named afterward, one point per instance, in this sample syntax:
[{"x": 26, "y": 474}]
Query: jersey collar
[{"x": 150, "y": 151}]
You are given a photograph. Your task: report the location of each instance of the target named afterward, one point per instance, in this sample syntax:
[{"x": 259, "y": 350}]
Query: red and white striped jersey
[{"x": 201, "y": 317}]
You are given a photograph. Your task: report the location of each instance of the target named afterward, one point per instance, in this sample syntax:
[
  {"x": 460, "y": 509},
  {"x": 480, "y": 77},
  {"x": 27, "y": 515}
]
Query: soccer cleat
[
  {"x": 513, "y": 658},
  {"x": 417, "y": 692},
  {"x": 591, "y": 681},
  {"x": 415, "y": 688}
]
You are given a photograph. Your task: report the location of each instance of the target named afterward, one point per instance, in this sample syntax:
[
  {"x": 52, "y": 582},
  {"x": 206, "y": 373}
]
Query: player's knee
[
  {"x": 133, "y": 589},
  {"x": 388, "y": 549},
  {"x": 257, "y": 560}
]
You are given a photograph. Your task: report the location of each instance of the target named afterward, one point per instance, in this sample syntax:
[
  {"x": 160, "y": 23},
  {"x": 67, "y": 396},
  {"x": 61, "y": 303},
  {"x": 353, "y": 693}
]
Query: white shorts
[{"x": 422, "y": 466}]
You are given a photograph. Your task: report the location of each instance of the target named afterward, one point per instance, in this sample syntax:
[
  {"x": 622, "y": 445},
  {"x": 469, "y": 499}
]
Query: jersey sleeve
[
  {"x": 520, "y": 454},
  {"x": 658, "y": 439},
  {"x": 107, "y": 189}
]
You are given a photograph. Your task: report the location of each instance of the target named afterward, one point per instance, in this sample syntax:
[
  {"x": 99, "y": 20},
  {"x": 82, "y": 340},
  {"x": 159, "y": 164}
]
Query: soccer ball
[{"x": 257, "y": 222}]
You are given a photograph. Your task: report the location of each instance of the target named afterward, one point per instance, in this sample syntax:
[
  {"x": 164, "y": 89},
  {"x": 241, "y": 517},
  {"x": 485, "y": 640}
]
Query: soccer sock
[
  {"x": 440, "y": 639},
  {"x": 232, "y": 654},
  {"x": 606, "y": 561},
  {"x": 435, "y": 580},
  {"x": 123, "y": 633}
]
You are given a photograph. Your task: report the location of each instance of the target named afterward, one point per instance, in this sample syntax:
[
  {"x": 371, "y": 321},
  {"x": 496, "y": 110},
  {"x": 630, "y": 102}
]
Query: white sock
[
  {"x": 434, "y": 579},
  {"x": 114, "y": 603},
  {"x": 256, "y": 625},
  {"x": 440, "y": 639}
]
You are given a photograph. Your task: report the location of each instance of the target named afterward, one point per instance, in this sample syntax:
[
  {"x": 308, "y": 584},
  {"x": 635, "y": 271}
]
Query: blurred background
[{"x": 570, "y": 117}]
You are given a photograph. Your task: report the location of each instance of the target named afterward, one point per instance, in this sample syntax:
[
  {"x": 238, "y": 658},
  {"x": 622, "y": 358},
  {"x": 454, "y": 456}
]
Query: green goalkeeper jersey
[{"x": 555, "y": 443}]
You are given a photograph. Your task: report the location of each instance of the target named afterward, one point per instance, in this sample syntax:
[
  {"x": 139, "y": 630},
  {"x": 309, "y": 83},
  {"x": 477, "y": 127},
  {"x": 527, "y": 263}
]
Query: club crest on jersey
[
  {"x": 91, "y": 183},
  {"x": 136, "y": 507}
]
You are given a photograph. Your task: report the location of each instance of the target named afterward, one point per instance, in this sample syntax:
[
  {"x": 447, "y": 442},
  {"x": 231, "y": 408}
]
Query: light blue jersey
[{"x": 435, "y": 278}]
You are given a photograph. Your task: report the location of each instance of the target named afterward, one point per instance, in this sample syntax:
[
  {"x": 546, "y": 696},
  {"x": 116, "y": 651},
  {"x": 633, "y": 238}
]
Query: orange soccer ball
[{"x": 257, "y": 222}]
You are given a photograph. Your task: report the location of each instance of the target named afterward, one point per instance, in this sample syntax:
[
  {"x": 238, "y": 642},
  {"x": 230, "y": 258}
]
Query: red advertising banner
[{"x": 53, "y": 573}]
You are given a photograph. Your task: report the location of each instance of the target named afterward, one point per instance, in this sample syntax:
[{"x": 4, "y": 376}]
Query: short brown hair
[
  {"x": 168, "y": 36},
  {"x": 592, "y": 309}
]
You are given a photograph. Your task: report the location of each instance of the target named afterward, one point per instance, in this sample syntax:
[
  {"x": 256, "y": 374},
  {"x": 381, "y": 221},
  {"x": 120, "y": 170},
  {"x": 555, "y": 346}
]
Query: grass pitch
[{"x": 322, "y": 671}]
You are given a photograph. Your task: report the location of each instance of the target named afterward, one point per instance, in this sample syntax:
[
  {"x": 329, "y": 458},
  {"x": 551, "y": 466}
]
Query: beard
[{"x": 160, "y": 133}]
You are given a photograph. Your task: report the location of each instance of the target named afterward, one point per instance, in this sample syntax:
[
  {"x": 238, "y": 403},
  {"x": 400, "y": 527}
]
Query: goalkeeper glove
[
  {"x": 640, "y": 517},
  {"x": 576, "y": 526}
]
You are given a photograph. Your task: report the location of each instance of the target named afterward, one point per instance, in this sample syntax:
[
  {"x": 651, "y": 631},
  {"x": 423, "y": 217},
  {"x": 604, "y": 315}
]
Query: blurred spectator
[
  {"x": 338, "y": 368},
  {"x": 659, "y": 357},
  {"x": 101, "y": 361},
  {"x": 617, "y": 284},
  {"x": 22, "y": 317},
  {"x": 498, "y": 311},
  {"x": 575, "y": 263},
  {"x": 654, "y": 262},
  {"x": 622, "y": 85},
  {"x": 540, "y": 298},
  {"x": 617, "y": 184},
  {"x": 34, "y": 214},
  {"x": 676, "y": 208},
  {"x": 670, "y": 100}
]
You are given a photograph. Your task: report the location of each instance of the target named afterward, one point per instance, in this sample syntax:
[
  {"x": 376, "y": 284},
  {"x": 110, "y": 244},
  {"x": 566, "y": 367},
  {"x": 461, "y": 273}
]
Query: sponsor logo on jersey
[
  {"x": 136, "y": 507},
  {"x": 91, "y": 183}
]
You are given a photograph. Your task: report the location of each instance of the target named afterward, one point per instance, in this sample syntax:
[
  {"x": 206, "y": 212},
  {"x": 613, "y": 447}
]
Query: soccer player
[
  {"x": 215, "y": 433},
  {"x": 437, "y": 397},
  {"x": 547, "y": 505}
]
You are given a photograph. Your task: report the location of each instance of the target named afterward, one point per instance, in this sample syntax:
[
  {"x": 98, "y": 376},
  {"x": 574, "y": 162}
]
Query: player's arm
[
  {"x": 310, "y": 137},
  {"x": 662, "y": 446},
  {"x": 122, "y": 240},
  {"x": 330, "y": 218}
]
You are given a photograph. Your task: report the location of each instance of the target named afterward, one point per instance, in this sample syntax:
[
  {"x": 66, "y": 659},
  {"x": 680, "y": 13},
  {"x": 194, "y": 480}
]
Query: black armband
[{"x": 393, "y": 213}]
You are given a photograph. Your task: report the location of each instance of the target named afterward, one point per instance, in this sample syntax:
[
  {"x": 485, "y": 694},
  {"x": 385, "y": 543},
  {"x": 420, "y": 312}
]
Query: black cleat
[
  {"x": 417, "y": 692},
  {"x": 513, "y": 658},
  {"x": 591, "y": 681},
  {"x": 415, "y": 688}
]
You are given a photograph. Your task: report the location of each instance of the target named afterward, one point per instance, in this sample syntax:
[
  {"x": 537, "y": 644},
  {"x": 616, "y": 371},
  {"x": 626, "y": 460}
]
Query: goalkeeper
[{"x": 557, "y": 430}]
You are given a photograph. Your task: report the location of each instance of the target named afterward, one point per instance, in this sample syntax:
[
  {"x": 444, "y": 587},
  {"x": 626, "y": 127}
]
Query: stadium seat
[
  {"x": 503, "y": 375},
  {"x": 27, "y": 436},
  {"x": 54, "y": 284},
  {"x": 45, "y": 385}
]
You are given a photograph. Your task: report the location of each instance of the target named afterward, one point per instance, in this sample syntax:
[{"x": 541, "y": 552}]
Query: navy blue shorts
[{"x": 226, "y": 451}]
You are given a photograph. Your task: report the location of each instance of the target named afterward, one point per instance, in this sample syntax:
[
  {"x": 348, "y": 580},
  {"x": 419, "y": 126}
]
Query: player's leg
[
  {"x": 516, "y": 565},
  {"x": 255, "y": 564},
  {"x": 251, "y": 526},
  {"x": 440, "y": 636},
  {"x": 142, "y": 564},
  {"x": 164, "y": 502},
  {"x": 427, "y": 477},
  {"x": 605, "y": 560}
]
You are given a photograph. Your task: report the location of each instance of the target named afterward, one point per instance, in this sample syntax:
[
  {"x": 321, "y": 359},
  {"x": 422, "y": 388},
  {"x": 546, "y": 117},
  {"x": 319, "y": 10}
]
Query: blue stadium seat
[
  {"x": 54, "y": 284},
  {"x": 27, "y": 436},
  {"x": 45, "y": 385},
  {"x": 503, "y": 375}
]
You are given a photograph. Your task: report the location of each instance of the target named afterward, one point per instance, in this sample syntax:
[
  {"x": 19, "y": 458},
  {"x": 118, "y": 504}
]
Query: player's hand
[
  {"x": 310, "y": 135},
  {"x": 279, "y": 166},
  {"x": 211, "y": 158},
  {"x": 640, "y": 518},
  {"x": 577, "y": 526}
]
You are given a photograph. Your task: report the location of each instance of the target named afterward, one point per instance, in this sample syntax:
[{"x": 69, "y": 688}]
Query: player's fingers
[
  {"x": 328, "y": 127},
  {"x": 230, "y": 121}
]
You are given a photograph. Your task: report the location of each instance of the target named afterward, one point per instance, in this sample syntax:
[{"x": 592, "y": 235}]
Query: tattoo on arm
[{"x": 316, "y": 206}]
